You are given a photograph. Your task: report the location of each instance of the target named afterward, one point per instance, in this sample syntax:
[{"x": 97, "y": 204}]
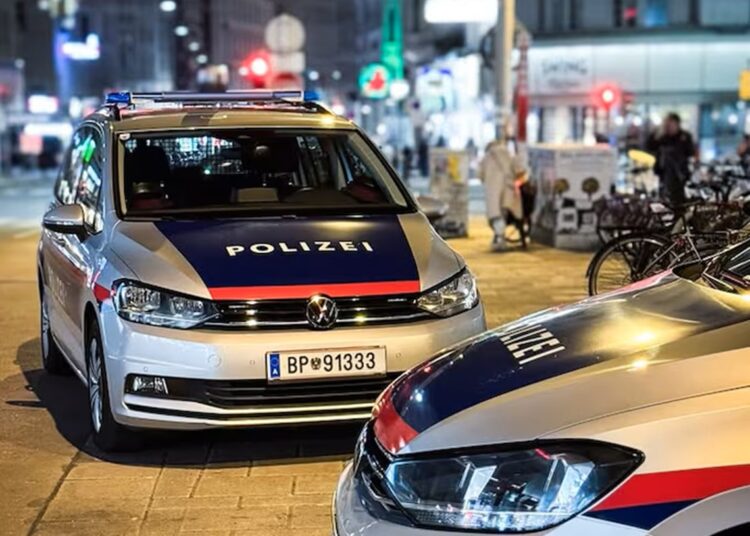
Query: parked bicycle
[{"x": 672, "y": 235}]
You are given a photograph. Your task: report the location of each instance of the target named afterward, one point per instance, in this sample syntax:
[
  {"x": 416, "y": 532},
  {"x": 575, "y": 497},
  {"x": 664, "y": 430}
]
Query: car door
[
  {"x": 85, "y": 251},
  {"x": 68, "y": 262}
]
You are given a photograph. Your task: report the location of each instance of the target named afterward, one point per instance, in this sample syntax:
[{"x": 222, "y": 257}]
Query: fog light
[{"x": 154, "y": 385}]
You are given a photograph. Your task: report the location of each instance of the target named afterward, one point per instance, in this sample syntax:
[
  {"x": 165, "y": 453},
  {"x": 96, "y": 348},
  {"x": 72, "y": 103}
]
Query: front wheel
[
  {"x": 109, "y": 435},
  {"x": 627, "y": 259}
]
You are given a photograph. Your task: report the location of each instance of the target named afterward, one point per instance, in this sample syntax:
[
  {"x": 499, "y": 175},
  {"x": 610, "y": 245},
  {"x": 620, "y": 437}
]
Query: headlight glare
[
  {"x": 515, "y": 491},
  {"x": 453, "y": 297},
  {"x": 146, "y": 305}
]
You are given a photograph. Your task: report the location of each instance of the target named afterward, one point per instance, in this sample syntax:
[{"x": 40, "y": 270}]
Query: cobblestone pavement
[{"x": 53, "y": 481}]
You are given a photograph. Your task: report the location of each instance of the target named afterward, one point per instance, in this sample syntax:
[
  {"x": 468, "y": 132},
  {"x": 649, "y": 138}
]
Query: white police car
[
  {"x": 624, "y": 414},
  {"x": 238, "y": 259}
]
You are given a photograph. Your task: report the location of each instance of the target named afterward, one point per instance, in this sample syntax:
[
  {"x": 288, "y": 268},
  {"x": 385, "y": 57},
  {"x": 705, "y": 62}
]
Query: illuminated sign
[
  {"x": 88, "y": 50},
  {"x": 392, "y": 47},
  {"x": 375, "y": 81},
  {"x": 42, "y": 104}
]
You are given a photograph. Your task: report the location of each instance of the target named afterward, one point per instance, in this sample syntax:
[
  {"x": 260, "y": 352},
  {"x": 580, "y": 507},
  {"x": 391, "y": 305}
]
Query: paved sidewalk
[{"x": 53, "y": 481}]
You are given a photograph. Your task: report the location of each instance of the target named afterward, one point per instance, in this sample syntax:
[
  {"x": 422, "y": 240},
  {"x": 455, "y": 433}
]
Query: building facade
[{"x": 660, "y": 55}]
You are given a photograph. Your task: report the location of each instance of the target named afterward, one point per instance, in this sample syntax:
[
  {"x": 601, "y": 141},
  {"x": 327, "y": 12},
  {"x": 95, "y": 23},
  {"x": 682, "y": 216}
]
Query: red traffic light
[
  {"x": 257, "y": 68},
  {"x": 607, "y": 96}
]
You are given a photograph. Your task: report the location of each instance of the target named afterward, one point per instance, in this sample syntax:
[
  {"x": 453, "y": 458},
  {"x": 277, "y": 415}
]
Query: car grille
[
  {"x": 290, "y": 314},
  {"x": 239, "y": 394}
]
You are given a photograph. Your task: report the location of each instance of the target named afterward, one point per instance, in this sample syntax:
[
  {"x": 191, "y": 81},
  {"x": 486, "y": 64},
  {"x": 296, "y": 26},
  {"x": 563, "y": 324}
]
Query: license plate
[{"x": 323, "y": 364}]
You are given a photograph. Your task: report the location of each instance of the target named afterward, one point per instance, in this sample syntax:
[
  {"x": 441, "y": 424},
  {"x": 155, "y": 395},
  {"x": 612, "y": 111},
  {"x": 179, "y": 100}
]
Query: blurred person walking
[
  {"x": 499, "y": 170},
  {"x": 673, "y": 148}
]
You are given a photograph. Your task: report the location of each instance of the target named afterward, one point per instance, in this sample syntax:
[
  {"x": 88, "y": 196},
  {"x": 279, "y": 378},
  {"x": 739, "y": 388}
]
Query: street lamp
[
  {"x": 194, "y": 46},
  {"x": 168, "y": 6},
  {"x": 181, "y": 30}
]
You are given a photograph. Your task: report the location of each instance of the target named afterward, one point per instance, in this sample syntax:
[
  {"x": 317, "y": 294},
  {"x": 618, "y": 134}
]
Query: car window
[
  {"x": 90, "y": 180},
  {"x": 254, "y": 169},
  {"x": 67, "y": 182}
]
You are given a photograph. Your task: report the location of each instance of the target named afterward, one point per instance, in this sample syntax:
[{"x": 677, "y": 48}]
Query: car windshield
[{"x": 251, "y": 170}]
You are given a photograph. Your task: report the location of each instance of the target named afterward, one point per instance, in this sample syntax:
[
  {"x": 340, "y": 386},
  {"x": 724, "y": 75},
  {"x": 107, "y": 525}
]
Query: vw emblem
[{"x": 321, "y": 312}]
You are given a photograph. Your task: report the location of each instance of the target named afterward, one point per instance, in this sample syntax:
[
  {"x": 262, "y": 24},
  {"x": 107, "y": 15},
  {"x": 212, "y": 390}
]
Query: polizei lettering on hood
[{"x": 322, "y": 246}]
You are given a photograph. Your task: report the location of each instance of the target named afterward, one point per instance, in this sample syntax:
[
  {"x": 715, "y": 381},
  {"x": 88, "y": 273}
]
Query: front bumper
[{"x": 234, "y": 356}]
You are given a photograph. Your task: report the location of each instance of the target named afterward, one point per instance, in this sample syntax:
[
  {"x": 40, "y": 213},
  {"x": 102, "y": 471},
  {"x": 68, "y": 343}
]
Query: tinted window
[
  {"x": 254, "y": 170},
  {"x": 90, "y": 180},
  {"x": 67, "y": 182}
]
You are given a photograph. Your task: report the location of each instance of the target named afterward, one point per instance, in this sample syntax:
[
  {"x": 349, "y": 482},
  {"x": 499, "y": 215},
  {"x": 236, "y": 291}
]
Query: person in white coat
[{"x": 502, "y": 174}]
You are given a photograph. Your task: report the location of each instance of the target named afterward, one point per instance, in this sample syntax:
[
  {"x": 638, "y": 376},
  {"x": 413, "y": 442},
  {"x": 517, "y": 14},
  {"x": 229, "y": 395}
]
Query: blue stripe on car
[
  {"x": 643, "y": 517},
  {"x": 468, "y": 377},
  {"x": 204, "y": 243}
]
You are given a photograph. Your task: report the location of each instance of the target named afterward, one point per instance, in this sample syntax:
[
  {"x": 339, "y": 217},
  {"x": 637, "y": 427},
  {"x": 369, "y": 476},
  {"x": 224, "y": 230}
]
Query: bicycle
[{"x": 699, "y": 229}]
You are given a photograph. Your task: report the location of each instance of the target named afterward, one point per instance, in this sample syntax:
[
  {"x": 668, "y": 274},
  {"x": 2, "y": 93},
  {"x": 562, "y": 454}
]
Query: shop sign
[
  {"x": 392, "y": 47},
  {"x": 375, "y": 81},
  {"x": 562, "y": 70}
]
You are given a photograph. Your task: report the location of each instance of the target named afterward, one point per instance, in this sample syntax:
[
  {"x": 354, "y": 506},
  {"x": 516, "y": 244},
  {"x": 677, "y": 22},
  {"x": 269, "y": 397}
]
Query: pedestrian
[
  {"x": 673, "y": 148},
  {"x": 408, "y": 157},
  {"x": 743, "y": 149},
  {"x": 499, "y": 171},
  {"x": 423, "y": 157}
]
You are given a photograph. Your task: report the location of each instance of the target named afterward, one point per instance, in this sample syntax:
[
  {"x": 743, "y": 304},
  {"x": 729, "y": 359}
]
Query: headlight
[
  {"x": 515, "y": 491},
  {"x": 455, "y": 296},
  {"x": 146, "y": 305}
]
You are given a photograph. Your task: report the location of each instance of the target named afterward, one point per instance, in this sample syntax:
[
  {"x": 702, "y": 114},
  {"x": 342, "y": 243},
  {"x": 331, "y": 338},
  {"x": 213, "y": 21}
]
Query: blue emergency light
[{"x": 127, "y": 98}]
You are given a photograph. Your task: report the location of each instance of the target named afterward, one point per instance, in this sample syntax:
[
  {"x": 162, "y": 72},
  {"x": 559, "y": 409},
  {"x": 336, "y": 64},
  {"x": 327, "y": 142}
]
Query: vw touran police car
[
  {"x": 238, "y": 259},
  {"x": 621, "y": 415}
]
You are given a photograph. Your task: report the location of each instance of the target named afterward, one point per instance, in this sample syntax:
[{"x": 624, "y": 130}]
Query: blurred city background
[{"x": 416, "y": 74}]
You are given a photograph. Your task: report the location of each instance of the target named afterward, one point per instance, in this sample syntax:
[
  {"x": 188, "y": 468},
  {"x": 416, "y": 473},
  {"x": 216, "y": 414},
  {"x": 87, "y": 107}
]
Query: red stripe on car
[
  {"x": 391, "y": 430},
  {"x": 101, "y": 292},
  {"x": 673, "y": 486},
  {"x": 334, "y": 290}
]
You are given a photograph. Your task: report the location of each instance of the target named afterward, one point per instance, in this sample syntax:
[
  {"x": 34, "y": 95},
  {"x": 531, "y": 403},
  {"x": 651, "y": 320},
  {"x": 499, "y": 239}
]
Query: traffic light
[
  {"x": 257, "y": 68},
  {"x": 607, "y": 96}
]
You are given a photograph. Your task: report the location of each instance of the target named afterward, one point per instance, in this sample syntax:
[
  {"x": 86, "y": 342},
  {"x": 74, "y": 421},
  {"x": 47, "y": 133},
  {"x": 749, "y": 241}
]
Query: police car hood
[
  {"x": 648, "y": 344},
  {"x": 286, "y": 258}
]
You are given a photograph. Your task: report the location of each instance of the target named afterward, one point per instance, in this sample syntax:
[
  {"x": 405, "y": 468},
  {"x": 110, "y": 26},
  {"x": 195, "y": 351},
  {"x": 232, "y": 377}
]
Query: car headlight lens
[
  {"x": 155, "y": 307},
  {"x": 455, "y": 296},
  {"x": 515, "y": 491}
]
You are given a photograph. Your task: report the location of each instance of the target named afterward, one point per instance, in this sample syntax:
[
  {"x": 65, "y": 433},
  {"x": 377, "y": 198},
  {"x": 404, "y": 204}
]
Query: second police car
[
  {"x": 622, "y": 415},
  {"x": 238, "y": 259}
]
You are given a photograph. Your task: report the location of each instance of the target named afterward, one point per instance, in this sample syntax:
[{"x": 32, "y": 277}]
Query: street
[{"x": 265, "y": 482}]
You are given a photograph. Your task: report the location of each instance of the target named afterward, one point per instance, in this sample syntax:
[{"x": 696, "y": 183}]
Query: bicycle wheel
[{"x": 628, "y": 259}]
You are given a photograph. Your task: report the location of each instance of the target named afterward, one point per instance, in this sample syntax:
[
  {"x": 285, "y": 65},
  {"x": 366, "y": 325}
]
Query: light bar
[{"x": 127, "y": 98}]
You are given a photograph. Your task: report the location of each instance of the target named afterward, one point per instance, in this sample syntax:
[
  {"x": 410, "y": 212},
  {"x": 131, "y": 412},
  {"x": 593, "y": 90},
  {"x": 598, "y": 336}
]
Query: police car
[
  {"x": 623, "y": 414},
  {"x": 238, "y": 259}
]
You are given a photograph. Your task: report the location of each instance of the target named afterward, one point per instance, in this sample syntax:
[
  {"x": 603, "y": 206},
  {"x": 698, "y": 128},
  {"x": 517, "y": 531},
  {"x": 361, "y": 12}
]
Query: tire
[
  {"x": 627, "y": 259},
  {"x": 53, "y": 360},
  {"x": 108, "y": 434}
]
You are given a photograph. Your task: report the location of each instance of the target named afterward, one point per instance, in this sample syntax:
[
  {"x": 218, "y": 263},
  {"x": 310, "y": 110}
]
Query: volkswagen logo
[{"x": 321, "y": 312}]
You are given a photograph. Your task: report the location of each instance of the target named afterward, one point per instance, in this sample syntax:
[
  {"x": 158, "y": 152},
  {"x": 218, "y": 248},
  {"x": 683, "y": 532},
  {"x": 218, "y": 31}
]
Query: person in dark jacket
[{"x": 673, "y": 148}]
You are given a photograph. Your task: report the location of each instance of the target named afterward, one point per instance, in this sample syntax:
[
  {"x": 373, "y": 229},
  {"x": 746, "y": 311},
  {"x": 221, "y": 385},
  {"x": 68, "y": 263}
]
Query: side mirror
[{"x": 65, "y": 219}]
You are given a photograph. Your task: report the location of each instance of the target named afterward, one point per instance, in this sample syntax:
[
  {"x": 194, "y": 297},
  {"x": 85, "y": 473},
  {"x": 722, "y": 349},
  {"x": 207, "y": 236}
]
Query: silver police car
[
  {"x": 626, "y": 414},
  {"x": 238, "y": 259}
]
